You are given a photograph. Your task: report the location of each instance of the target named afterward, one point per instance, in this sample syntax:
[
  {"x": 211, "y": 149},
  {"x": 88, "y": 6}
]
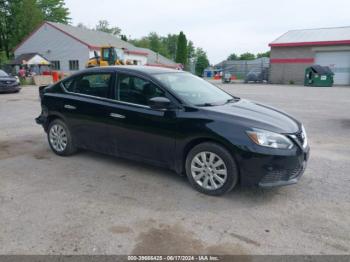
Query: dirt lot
[{"x": 96, "y": 204}]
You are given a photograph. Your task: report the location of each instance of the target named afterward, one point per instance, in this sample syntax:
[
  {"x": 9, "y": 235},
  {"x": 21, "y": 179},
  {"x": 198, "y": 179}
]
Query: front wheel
[
  {"x": 60, "y": 138},
  {"x": 211, "y": 169}
]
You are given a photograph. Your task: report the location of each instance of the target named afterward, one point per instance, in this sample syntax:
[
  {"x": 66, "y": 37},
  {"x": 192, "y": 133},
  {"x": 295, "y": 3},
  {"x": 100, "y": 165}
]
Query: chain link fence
[{"x": 248, "y": 70}]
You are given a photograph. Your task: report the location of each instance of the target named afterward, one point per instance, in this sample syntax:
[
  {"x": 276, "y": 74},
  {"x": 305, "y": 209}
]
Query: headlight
[
  {"x": 304, "y": 135},
  {"x": 270, "y": 139}
]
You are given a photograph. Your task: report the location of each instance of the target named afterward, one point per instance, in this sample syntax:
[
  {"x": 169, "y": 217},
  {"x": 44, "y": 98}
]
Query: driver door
[{"x": 139, "y": 131}]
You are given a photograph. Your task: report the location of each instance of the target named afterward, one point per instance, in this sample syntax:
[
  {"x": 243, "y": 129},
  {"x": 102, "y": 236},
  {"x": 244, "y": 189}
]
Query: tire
[
  {"x": 211, "y": 169},
  {"x": 59, "y": 132}
]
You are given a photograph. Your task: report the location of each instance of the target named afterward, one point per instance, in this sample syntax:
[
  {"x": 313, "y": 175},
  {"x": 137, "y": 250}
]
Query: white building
[{"x": 68, "y": 48}]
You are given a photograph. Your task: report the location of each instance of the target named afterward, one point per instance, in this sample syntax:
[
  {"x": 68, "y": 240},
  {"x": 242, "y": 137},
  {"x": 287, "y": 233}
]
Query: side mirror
[{"x": 159, "y": 103}]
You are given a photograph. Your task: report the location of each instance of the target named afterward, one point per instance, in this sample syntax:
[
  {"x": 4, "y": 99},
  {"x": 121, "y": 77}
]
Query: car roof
[{"x": 150, "y": 70}]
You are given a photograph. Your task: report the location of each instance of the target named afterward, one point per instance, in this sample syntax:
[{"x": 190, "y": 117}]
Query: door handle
[
  {"x": 70, "y": 107},
  {"x": 114, "y": 115}
]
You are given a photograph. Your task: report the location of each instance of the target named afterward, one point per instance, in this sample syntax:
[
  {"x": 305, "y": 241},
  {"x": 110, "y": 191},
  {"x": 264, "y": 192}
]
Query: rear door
[{"x": 85, "y": 106}]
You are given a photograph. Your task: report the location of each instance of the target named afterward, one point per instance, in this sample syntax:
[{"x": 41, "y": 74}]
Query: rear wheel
[
  {"x": 60, "y": 138},
  {"x": 211, "y": 169}
]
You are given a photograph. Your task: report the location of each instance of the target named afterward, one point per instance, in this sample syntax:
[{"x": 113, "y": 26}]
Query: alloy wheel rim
[
  {"x": 209, "y": 170},
  {"x": 58, "y": 138}
]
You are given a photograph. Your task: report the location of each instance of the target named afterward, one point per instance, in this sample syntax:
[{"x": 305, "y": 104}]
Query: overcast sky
[{"x": 219, "y": 27}]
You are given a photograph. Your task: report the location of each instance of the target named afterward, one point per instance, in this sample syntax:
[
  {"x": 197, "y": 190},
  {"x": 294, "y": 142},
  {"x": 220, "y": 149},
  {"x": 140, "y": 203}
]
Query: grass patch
[{"x": 26, "y": 81}]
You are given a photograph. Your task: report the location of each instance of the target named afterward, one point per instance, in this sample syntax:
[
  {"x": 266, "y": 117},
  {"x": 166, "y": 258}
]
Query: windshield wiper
[
  {"x": 231, "y": 100},
  {"x": 206, "y": 104},
  {"x": 234, "y": 99}
]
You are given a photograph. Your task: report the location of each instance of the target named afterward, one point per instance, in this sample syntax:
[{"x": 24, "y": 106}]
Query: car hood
[{"x": 256, "y": 115}]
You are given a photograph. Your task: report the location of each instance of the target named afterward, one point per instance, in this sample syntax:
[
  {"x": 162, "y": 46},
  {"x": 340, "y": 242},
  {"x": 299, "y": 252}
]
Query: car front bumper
[
  {"x": 9, "y": 88},
  {"x": 265, "y": 170},
  {"x": 283, "y": 177}
]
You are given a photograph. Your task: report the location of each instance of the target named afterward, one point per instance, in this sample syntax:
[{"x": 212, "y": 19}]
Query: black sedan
[
  {"x": 175, "y": 120},
  {"x": 8, "y": 84}
]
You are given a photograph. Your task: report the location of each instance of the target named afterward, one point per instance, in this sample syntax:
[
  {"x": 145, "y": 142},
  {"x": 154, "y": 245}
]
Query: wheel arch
[
  {"x": 51, "y": 118},
  {"x": 199, "y": 140}
]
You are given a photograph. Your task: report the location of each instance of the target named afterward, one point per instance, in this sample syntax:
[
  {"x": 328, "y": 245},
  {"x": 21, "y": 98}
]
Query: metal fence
[{"x": 241, "y": 69}]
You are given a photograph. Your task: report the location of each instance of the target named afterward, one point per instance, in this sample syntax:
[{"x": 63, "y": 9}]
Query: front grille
[
  {"x": 6, "y": 82},
  {"x": 281, "y": 175}
]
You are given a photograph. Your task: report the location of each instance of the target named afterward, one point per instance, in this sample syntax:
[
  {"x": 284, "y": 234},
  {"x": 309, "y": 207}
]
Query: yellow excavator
[{"x": 109, "y": 56}]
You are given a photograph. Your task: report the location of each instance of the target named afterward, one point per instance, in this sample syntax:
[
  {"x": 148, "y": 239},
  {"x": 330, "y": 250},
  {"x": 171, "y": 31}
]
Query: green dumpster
[{"x": 317, "y": 75}]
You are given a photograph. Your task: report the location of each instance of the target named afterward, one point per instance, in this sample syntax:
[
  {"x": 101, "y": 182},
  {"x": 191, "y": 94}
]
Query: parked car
[
  {"x": 257, "y": 75},
  {"x": 226, "y": 78},
  {"x": 175, "y": 120},
  {"x": 8, "y": 83}
]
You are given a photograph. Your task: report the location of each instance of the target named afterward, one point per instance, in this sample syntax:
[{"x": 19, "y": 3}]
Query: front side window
[
  {"x": 136, "y": 90},
  {"x": 193, "y": 89},
  {"x": 93, "y": 85}
]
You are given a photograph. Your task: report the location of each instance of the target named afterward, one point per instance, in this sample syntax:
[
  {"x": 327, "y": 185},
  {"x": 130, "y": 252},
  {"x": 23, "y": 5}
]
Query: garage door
[{"x": 339, "y": 63}]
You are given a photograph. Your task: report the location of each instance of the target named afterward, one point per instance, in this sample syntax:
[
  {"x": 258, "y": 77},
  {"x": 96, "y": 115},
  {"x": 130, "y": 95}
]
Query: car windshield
[
  {"x": 3, "y": 73},
  {"x": 193, "y": 89}
]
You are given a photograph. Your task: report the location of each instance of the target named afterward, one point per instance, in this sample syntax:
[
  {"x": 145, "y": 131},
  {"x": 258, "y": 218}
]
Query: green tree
[
  {"x": 266, "y": 54},
  {"x": 190, "y": 66},
  {"x": 28, "y": 16},
  {"x": 232, "y": 56},
  {"x": 154, "y": 41},
  {"x": 18, "y": 18},
  {"x": 4, "y": 14},
  {"x": 81, "y": 25},
  {"x": 247, "y": 56},
  {"x": 54, "y": 11},
  {"x": 170, "y": 43},
  {"x": 144, "y": 42},
  {"x": 124, "y": 38},
  {"x": 181, "y": 50},
  {"x": 202, "y": 61},
  {"x": 173, "y": 46},
  {"x": 156, "y": 44},
  {"x": 191, "y": 51},
  {"x": 104, "y": 26}
]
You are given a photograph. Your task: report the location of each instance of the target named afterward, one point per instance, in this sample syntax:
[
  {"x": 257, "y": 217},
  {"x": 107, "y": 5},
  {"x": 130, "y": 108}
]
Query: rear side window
[
  {"x": 92, "y": 84},
  {"x": 68, "y": 84},
  {"x": 136, "y": 90}
]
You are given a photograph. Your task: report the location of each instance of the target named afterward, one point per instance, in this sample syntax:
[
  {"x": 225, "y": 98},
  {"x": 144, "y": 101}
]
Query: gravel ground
[{"x": 95, "y": 204}]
